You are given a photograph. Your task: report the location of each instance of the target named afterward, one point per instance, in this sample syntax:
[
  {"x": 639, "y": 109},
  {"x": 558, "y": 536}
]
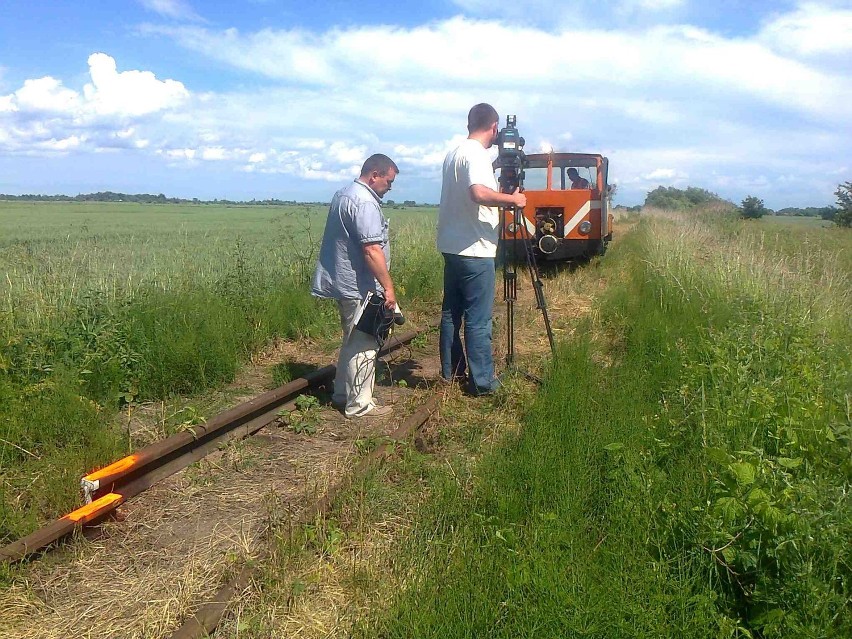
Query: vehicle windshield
[
  {"x": 535, "y": 179},
  {"x": 584, "y": 173}
]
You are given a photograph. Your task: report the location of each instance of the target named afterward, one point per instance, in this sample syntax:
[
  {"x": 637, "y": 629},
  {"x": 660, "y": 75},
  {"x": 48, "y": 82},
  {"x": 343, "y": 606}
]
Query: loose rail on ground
[{"x": 108, "y": 488}]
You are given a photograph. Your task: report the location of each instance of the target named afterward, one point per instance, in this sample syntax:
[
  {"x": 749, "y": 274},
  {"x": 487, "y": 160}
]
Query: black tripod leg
[
  {"x": 538, "y": 286},
  {"x": 510, "y": 294}
]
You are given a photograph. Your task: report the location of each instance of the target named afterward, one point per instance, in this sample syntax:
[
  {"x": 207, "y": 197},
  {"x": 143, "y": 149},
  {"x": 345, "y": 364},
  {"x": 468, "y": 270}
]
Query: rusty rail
[{"x": 109, "y": 487}]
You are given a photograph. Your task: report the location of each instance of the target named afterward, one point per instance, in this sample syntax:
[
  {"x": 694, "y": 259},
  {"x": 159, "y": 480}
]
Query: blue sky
[{"x": 269, "y": 98}]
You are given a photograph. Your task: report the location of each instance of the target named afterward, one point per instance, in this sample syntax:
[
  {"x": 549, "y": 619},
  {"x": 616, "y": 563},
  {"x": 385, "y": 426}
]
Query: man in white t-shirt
[{"x": 468, "y": 231}]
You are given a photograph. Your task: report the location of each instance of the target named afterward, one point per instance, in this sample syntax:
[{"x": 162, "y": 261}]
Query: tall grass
[
  {"x": 101, "y": 305},
  {"x": 685, "y": 470}
]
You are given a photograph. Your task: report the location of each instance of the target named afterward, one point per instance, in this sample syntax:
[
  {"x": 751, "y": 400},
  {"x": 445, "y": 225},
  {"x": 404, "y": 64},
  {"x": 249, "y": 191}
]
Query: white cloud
[
  {"x": 345, "y": 154},
  {"x": 175, "y": 9},
  {"x": 215, "y": 153},
  {"x": 46, "y": 116},
  {"x": 129, "y": 93},
  {"x": 558, "y": 14},
  {"x": 178, "y": 154},
  {"x": 65, "y": 144},
  {"x": 425, "y": 156},
  {"x": 44, "y": 94},
  {"x": 655, "y": 61},
  {"x": 813, "y": 29},
  {"x": 662, "y": 174},
  {"x": 652, "y": 5}
]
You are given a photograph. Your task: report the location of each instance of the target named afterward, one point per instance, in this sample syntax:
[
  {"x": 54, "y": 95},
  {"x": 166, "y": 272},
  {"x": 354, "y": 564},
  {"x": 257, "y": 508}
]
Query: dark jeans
[{"x": 468, "y": 296}]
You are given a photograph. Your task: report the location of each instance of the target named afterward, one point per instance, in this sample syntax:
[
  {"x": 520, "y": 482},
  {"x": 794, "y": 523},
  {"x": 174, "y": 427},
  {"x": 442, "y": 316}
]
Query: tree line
[
  {"x": 752, "y": 207},
  {"x": 141, "y": 198}
]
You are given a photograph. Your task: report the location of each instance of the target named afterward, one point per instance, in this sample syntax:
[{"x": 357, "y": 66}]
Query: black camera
[
  {"x": 511, "y": 158},
  {"x": 375, "y": 319},
  {"x": 509, "y": 141}
]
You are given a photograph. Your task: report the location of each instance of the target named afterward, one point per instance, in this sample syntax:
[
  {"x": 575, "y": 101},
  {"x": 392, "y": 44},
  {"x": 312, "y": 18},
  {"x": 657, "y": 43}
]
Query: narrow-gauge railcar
[{"x": 564, "y": 218}]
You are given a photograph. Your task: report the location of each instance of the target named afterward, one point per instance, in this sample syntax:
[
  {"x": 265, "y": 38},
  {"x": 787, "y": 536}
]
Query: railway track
[
  {"x": 106, "y": 489},
  {"x": 209, "y": 613},
  {"x": 113, "y": 485}
]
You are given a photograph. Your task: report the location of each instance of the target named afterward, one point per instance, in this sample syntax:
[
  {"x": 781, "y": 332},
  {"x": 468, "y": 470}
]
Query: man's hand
[
  {"x": 520, "y": 200},
  {"x": 390, "y": 299},
  {"x": 375, "y": 258}
]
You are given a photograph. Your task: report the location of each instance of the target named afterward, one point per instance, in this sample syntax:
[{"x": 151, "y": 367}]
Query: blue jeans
[{"x": 468, "y": 296}]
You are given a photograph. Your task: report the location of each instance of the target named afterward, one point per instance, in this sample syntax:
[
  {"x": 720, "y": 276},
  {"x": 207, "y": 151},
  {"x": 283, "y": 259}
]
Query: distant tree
[
  {"x": 409, "y": 203},
  {"x": 752, "y": 208},
  {"x": 390, "y": 203},
  {"x": 828, "y": 213},
  {"x": 669, "y": 197},
  {"x": 843, "y": 216}
]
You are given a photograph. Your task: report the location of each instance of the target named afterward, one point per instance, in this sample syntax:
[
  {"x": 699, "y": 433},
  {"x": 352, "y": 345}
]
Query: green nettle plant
[{"x": 305, "y": 418}]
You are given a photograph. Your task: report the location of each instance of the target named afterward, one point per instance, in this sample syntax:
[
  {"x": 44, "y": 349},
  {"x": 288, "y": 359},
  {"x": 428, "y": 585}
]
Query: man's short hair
[
  {"x": 379, "y": 163},
  {"x": 481, "y": 117},
  {"x": 573, "y": 171}
]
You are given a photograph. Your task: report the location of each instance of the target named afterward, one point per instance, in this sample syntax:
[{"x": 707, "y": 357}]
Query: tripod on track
[
  {"x": 515, "y": 235},
  {"x": 510, "y": 284}
]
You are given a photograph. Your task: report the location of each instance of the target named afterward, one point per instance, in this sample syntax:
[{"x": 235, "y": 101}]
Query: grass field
[
  {"x": 684, "y": 471},
  {"x": 102, "y": 305},
  {"x": 796, "y": 222}
]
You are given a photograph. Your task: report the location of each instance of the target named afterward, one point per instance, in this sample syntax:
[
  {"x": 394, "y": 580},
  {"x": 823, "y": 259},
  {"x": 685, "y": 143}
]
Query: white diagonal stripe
[{"x": 578, "y": 216}]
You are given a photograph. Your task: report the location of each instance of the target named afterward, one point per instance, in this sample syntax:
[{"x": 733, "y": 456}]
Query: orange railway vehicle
[{"x": 563, "y": 222}]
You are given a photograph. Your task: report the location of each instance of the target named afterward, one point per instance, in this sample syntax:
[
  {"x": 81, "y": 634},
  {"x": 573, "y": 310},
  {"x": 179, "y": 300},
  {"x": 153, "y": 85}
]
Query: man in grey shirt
[{"x": 354, "y": 260}]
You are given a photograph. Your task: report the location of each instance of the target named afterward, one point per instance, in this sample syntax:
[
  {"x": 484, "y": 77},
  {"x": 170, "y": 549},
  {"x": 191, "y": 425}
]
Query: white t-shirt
[{"x": 465, "y": 227}]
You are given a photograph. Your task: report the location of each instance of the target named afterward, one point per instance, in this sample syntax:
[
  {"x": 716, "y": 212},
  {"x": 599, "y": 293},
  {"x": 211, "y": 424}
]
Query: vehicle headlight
[{"x": 585, "y": 227}]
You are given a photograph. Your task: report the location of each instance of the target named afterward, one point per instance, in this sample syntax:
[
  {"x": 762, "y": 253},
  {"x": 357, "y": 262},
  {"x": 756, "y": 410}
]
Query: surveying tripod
[{"x": 510, "y": 179}]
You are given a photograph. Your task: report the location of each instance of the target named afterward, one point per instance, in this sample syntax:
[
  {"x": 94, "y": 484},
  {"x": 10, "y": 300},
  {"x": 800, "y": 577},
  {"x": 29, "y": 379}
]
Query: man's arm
[
  {"x": 375, "y": 258},
  {"x": 481, "y": 194}
]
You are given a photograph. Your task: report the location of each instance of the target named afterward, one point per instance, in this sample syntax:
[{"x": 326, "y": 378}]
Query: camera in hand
[{"x": 376, "y": 319}]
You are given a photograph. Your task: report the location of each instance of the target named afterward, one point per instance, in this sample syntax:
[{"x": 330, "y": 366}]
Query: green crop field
[
  {"x": 104, "y": 304},
  {"x": 795, "y": 221}
]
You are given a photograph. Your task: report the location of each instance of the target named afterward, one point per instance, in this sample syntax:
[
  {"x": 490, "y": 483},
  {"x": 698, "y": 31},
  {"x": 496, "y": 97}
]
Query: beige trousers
[{"x": 356, "y": 365}]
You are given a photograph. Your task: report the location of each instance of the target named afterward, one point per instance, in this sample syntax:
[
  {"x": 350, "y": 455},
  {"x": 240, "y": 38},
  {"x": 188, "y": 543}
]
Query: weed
[{"x": 305, "y": 418}]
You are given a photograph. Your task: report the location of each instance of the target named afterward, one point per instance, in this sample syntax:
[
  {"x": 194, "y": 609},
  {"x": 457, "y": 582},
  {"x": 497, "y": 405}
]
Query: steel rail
[{"x": 109, "y": 487}]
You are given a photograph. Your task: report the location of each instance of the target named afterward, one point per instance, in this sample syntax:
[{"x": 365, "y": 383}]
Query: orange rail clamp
[
  {"x": 87, "y": 513},
  {"x": 43, "y": 537},
  {"x": 91, "y": 482}
]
